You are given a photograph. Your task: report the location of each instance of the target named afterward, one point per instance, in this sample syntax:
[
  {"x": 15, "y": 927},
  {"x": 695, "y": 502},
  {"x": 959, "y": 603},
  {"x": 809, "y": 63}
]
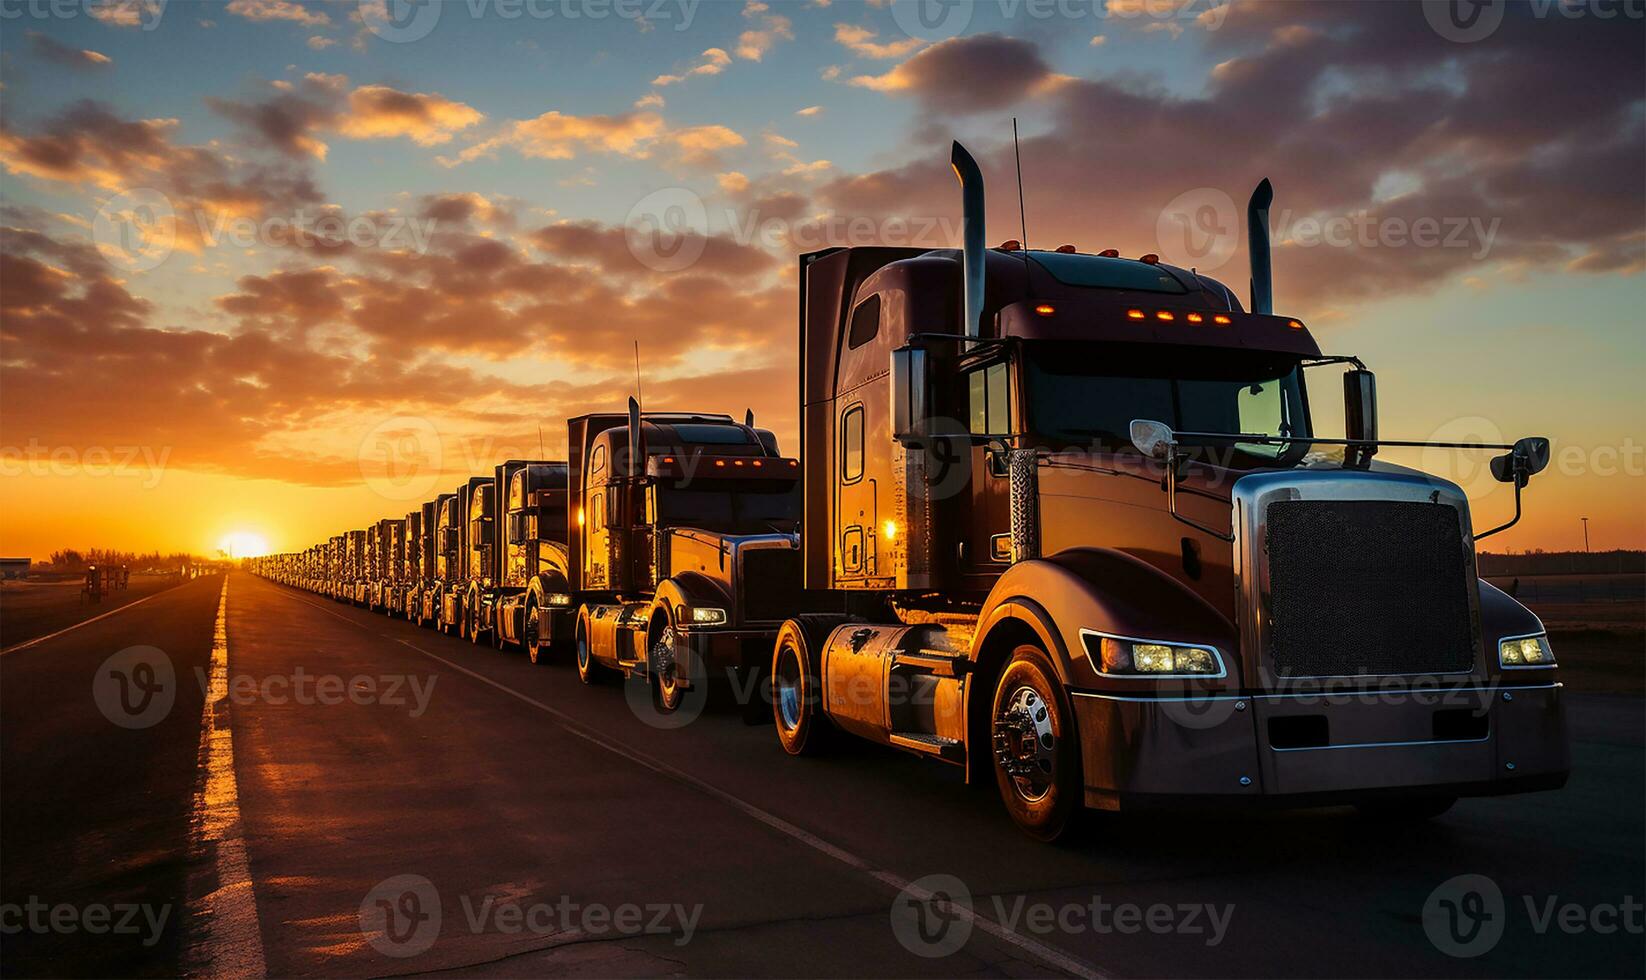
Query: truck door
[
  {"x": 856, "y": 504},
  {"x": 596, "y": 535},
  {"x": 986, "y": 395}
]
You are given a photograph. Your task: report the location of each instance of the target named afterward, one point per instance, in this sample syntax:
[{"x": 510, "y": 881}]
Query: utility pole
[{"x": 1585, "y": 521}]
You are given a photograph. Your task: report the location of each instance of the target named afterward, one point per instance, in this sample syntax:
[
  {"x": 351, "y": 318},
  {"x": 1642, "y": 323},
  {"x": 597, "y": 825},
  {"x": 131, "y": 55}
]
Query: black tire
[
  {"x": 1031, "y": 730},
  {"x": 471, "y": 621},
  {"x": 531, "y": 633},
  {"x": 667, "y": 694},
  {"x": 589, "y": 670},
  {"x": 496, "y": 632},
  {"x": 1405, "y": 809},
  {"x": 795, "y": 688}
]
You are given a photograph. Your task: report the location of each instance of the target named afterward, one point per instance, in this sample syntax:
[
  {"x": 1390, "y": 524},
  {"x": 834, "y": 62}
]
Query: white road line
[
  {"x": 233, "y": 942},
  {"x": 84, "y": 622},
  {"x": 1047, "y": 954}
]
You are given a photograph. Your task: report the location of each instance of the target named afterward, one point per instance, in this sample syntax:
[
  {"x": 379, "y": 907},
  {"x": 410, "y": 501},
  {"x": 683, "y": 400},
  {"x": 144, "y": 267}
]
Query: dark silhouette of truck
[{"x": 528, "y": 580}]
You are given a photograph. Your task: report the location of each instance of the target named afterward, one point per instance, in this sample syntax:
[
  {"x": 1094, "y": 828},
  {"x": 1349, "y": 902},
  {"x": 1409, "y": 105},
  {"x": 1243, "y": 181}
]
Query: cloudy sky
[{"x": 279, "y": 268}]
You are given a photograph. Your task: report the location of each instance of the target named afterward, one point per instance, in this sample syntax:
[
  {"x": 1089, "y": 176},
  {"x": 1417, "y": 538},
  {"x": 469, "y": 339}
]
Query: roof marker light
[
  {"x": 1045, "y": 309},
  {"x": 1194, "y": 318},
  {"x": 1150, "y": 259},
  {"x": 1164, "y": 315},
  {"x": 1066, "y": 249},
  {"x": 1109, "y": 253},
  {"x": 720, "y": 462},
  {"x": 1011, "y": 245},
  {"x": 1294, "y": 324},
  {"x": 1134, "y": 314},
  {"x": 1221, "y": 320}
]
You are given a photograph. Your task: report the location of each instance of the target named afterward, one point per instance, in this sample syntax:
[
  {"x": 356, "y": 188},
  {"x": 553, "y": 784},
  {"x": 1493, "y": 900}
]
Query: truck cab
[
  {"x": 440, "y": 550},
  {"x": 531, "y": 605},
  {"x": 682, "y": 547},
  {"x": 410, "y": 573},
  {"x": 1097, "y": 554},
  {"x": 354, "y": 590},
  {"x": 470, "y": 533}
]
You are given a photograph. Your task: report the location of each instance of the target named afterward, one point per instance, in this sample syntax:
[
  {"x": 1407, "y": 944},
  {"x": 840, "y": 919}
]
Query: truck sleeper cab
[
  {"x": 442, "y": 559},
  {"x": 468, "y": 528},
  {"x": 682, "y": 551},
  {"x": 1096, "y": 554}
]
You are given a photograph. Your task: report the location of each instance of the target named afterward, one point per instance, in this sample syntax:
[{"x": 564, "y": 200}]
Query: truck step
[
  {"x": 947, "y": 749},
  {"x": 937, "y": 662}
]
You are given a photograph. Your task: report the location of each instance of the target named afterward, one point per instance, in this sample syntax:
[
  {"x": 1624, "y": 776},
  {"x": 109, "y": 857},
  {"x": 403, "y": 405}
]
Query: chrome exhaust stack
[
  {"x": 971, "y": 256},
  {"x": 1257, "y": 247}
]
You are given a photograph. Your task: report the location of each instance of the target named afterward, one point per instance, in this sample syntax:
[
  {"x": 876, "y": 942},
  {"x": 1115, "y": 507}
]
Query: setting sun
[{"x": 243, "y": 544}]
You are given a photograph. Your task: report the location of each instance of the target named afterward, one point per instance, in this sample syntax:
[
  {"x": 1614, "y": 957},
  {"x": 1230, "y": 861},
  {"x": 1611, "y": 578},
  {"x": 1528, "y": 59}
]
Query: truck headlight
[
  {"x": 557, "y": 599},
  {"x": 708, "y": 615},
  {"x": 1128, "y": 657},
  {"x": 1526, "y": 651}
]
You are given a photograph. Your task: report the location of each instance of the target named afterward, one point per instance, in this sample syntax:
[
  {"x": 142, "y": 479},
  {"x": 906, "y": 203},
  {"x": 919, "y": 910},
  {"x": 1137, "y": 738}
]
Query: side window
[
  {"x": 988, "y": 401},
  {"x": 865, "y": 322},
  {"x": 596, "y": 513},
  {"x": 851, "y": 444},
  {"x": 597, "y": 461}
]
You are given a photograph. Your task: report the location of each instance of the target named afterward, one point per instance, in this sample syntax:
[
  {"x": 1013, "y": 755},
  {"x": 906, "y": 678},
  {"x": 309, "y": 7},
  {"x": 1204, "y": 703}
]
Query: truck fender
[{"x": 1107, "y": 591}]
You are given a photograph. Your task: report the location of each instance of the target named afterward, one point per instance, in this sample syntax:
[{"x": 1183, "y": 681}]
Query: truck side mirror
[
  {"x": 911, "y": 393},
  {"x": 1529, "y": 458},
  {"x": 1360, "y": 406},
  {"x": 1151, "y": 438}
]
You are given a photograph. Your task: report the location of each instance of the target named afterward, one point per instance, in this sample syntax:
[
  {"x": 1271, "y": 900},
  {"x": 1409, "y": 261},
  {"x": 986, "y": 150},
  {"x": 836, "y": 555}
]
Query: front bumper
[{"x": 1319, "y": 749}]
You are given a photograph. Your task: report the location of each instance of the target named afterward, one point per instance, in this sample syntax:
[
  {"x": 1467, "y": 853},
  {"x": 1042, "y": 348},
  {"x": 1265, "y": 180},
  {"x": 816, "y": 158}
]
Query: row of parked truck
[{"x": 1061, "y": 519}]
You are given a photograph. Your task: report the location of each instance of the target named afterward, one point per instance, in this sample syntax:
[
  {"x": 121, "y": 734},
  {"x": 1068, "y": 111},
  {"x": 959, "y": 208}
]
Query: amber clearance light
[{"x": 1045, "y": 309}]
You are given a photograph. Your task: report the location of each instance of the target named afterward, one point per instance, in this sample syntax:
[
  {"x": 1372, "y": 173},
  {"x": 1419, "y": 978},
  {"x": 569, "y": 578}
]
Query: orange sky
[{"x": 280, "y": 271}]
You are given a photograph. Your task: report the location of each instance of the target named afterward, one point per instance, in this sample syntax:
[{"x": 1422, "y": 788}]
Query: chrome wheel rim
[
  {"x": 1025, "y": 748},
  {"x": 663, "y": 666},
  {"x": 582, "y": 651},
  {"x": 529, "y": 633},
  {"x": 788, "y": 689}
]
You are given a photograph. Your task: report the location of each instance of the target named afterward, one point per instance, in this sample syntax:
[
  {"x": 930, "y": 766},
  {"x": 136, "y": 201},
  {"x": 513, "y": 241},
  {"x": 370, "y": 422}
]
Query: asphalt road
[{"x": 404, "y": 802}]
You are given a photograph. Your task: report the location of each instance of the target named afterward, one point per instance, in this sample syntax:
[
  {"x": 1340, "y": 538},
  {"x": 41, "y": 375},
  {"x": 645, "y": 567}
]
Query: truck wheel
[
  {"x": 473, "y": 626},
  {"x": 1036, "y": 751},
  {"x": 667, "y": 692},
  {"x": 796, "y": 692},
  {"x": 497, "y": 630},
  {"x": 589, "y": 670},
  {"x": 531, "y": 635}
]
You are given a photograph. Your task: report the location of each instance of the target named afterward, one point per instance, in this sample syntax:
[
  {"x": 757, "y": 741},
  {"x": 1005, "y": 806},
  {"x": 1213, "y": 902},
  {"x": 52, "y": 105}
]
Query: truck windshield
[
  {"x": 1087, "y": 395},
  {"x": 742, "y": 511}
]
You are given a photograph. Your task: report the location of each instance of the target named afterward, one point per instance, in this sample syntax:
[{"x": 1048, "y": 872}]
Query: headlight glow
[
  {"x": 1526, "y": 651},
  {"x": 558, "y": 599},
  {"x": 1145, "y": 657},
  {"x": 707, "y": 615}
]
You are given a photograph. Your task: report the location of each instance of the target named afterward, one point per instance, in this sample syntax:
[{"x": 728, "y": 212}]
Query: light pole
[{"x": 1585, "y": 521}]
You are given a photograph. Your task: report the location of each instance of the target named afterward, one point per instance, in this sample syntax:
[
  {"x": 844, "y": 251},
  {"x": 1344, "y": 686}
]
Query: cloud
[
  {"x": 1326, "y": 107},
  {"x": 811, "y": 110},
  {"x": 58, "y": 53},
  {"x": 128, "y": 13},
  {"x": 320, "y": 42},
  {"x": 753, "y": 43},
  {"x": 637, "y": 134},
  {"x": 380, "y": 112},
  {"x": 969, "y": 74},
  {"x": 861, "y": 41},
  {"x": 714, "y": 62},
  {"x": 268, "y": 10}
]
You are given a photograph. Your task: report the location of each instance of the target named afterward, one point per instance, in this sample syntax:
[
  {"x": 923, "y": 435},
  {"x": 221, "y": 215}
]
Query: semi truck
[
  {"x": 1093, "y": 551},
  {"x": 682, "y": 555},
  {"x": 529, "y": 596},
  {"x": 466, "y": 524},
  {"x": 383, "y": 571},
  {"x": 410, "y": 571},
  {"x": 354, "y": 567},
  {"x": 336, "y": 557},
  {"x": 439, "y": 552}
]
